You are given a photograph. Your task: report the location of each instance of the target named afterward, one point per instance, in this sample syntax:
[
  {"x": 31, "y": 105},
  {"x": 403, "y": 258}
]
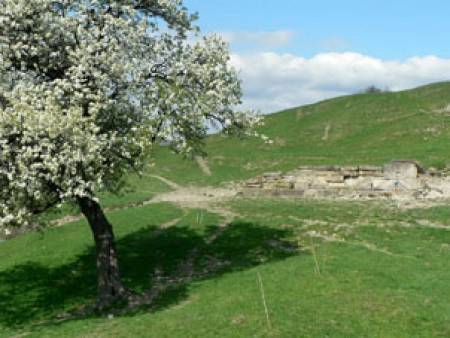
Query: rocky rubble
[{"x": 399, "y": 179}]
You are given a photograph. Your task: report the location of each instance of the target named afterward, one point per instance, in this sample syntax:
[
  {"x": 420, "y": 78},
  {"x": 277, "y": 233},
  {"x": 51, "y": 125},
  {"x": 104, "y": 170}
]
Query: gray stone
[
  {"x": 349, "y": 168},
  {"x": 271, "y": 174},
  {"x": 350, "y": 173},
  {"x": 399, "y": 180},
  {"x": 371, "y": 173},
  {"x": 335, "y": 179},
  {"x": 401, "y": 169}
]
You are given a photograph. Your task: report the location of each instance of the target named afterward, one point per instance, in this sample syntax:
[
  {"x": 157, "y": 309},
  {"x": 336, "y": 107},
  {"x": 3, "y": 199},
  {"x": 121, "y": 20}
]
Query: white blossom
[{"x": 86, "y": 88}]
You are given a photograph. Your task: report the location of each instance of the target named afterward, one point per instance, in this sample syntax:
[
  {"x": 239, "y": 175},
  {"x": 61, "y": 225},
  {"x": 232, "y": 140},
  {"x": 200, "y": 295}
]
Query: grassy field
[
  {"x": 326, "y": 269},
  {"x": 281, "y": 268}
]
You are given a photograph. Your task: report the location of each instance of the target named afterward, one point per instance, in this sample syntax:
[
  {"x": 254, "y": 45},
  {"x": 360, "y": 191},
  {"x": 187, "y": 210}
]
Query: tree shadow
[{"x": 33, "y": 294}]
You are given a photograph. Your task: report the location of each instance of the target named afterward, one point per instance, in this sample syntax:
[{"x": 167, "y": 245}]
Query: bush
[{"x": 372, "y": 89}]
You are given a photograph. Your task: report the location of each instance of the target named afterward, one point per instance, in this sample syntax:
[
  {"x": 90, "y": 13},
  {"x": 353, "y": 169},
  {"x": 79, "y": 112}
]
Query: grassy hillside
[
  {"x": 362, "y": 129},
  {"x": 280, "y": 268}
]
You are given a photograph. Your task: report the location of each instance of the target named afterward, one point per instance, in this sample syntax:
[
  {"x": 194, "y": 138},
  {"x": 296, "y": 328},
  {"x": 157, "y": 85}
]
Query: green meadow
[{"x": 279, "y": 267}]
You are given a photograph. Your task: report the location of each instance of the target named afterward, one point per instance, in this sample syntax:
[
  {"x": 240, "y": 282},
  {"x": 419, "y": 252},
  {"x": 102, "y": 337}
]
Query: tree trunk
[{"x": 109, "y": 283}]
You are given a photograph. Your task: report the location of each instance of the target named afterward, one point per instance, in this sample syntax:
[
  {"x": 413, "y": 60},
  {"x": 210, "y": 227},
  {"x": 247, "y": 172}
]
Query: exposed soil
[
  {"x": 203, "y": 164},
  {"x": 195, "y": 197},
  {"x": 326, "y": 133},
  {"x": 185, "y": 197}
]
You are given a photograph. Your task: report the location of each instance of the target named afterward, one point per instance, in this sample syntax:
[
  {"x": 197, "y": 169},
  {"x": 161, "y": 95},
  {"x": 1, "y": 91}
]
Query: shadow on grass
[{"x": 33, "y": 293}]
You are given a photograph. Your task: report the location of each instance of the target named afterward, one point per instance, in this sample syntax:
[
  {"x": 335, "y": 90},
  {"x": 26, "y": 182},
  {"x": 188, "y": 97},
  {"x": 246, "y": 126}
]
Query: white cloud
[
  {"x": 272, "y": 39},
  {"x": 274, "y": 81}
]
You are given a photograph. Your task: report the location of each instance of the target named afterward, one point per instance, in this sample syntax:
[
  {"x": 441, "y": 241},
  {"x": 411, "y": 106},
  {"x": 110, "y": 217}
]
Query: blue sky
[{"x": 374, "y": 33}]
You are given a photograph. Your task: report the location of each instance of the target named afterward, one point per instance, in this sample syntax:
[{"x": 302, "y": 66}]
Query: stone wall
[{"x": 396, "y": 179}]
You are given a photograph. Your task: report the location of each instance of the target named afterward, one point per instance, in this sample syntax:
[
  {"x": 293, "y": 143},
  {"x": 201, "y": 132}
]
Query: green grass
[
  {"x": 364, "y": 129},
  {"x": 137, "y": 189},
  {"x": 387, "y": 276},
  {"x": 328, "y": 269}
]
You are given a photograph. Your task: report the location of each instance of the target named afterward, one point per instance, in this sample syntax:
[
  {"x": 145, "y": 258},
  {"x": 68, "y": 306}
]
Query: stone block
[
  {"x": 301, "y": 185},
  {"x": 269, "y": 185},
  {"x": 371, "y": 173},
  {"x": 401, "y": 169},
  {"x": 350, "y": 173},
  {"x": 349, "y": 168},
  {"x": 336, "y": 185},
  {"x": 288, "y": 178},
  {"x": 335, "y": 179},
  {"x": 383, "y": 184},
  {"x": 359, "y": 183}
]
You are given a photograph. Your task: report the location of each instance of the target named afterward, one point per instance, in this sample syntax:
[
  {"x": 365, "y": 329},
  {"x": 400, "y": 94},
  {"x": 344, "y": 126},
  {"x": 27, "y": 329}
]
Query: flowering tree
[{"x": 86, "y": 88}]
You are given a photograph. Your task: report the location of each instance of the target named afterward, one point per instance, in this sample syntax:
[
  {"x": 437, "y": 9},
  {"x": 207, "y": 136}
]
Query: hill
[
  {"x": 245, "y": 267},
  {"x": 369, "y": 128}
]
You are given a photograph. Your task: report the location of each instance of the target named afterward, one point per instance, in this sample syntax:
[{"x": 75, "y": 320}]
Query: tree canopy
[{"x": 88, "y": 86}]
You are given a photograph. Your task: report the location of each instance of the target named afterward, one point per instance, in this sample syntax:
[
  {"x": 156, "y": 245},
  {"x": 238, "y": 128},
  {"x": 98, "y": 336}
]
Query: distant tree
[
  {"x": 372, "y": 89},
  {"x": 87, "y": 88}
]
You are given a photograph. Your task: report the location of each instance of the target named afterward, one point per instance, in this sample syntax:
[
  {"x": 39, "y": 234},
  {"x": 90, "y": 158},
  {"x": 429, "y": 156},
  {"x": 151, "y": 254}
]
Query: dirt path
[
  {"x": 170, "y": 183},
  {"x": 326, "y": 133},
  {"x": 203, "y": 164},
  {"x": 194, "y": 197},
  {"x": 209, "y": 198}
]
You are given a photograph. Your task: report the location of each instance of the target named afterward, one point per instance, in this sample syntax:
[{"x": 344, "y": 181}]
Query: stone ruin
[{"x": 398, "y": 179}]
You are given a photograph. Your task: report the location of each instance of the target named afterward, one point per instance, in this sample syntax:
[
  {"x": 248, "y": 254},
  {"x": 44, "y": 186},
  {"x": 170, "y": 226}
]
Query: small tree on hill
[
  {"x": 87, "y": 87},
  {"x": 372, "y": 89}
]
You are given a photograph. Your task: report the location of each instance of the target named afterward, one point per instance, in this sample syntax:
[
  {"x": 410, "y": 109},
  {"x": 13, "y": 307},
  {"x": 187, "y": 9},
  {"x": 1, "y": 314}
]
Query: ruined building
[{"x": 396, "y": 179}]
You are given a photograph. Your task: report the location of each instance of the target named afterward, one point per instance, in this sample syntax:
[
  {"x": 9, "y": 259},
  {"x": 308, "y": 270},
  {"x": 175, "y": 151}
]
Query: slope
[{"x": 358, "y": 129}]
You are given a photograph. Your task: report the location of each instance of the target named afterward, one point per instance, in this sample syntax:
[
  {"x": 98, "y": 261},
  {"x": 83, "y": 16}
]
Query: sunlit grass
[{"x": 336, "y": 269}]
